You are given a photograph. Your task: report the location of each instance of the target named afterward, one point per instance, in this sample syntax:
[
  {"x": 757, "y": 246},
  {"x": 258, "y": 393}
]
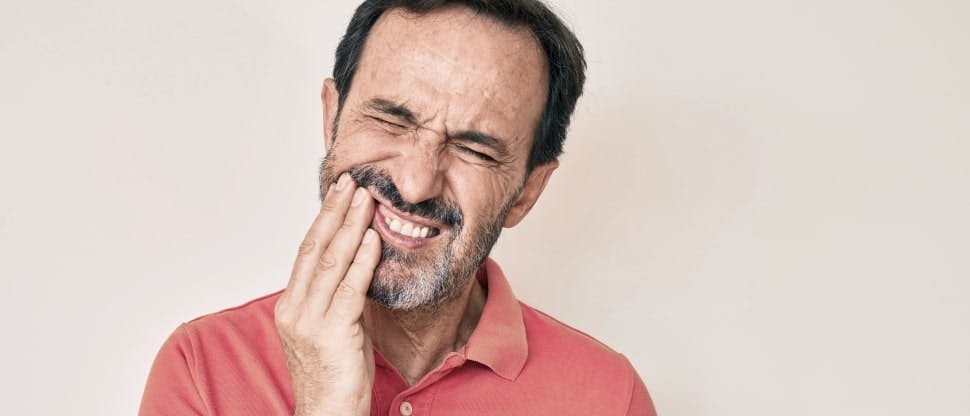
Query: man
[{"x": 442, "y": 125}]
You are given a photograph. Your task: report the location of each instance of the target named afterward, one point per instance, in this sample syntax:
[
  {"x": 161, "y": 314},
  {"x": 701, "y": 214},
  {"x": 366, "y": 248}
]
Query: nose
[{"x": 420, "y": 176}]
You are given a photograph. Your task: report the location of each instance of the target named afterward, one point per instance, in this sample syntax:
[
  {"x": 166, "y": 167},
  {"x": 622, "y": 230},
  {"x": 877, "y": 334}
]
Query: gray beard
[{"x": 401, "y": 282}]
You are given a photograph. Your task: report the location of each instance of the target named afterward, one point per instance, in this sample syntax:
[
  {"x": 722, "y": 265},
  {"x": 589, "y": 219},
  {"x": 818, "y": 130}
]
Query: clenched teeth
[{"x": 407, "y": 229}]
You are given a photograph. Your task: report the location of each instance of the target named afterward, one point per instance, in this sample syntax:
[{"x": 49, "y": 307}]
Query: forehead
[{"x": 458, "y": 66}]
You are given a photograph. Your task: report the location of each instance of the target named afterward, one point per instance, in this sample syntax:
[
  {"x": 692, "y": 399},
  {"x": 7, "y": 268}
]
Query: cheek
[
  {"x": 481, "y": 195},
  {"x": 359, "y": 148}
]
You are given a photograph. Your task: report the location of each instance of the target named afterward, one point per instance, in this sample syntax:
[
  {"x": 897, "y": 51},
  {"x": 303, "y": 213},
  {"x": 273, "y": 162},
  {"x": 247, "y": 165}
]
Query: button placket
[{"x": 428, "y": 385}]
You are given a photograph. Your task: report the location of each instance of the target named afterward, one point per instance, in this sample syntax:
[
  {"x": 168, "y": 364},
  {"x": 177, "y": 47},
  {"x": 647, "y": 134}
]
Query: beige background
[{"x": 764, "y": 203}]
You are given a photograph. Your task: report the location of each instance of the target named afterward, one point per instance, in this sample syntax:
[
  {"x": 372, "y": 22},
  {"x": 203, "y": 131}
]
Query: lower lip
[{"x": 380, "y": 224}]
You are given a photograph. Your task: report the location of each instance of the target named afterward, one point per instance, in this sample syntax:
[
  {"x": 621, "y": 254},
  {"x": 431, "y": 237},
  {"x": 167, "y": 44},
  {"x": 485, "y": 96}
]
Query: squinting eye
[
  {"x": 479, "y": 155},
  {"x": 392, "y": 124},
  {"x": 388, "y": 123}
]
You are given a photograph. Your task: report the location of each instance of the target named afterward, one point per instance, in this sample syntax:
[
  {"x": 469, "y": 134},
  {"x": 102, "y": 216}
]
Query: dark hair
[{"x": 563, "y": 52}]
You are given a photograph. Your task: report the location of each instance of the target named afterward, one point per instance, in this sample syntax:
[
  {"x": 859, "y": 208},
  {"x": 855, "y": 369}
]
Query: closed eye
[
  {"x": 387, "y": 122},
  {"x": 476, "y": 154}
]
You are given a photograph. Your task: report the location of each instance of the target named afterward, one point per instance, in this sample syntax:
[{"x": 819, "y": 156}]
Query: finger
[
  {"x": 309, "y": 248},
  {"x": 328, "y": 221},
  {"x": 348, "y": 301},
  {"x": 339, "y": 253}
]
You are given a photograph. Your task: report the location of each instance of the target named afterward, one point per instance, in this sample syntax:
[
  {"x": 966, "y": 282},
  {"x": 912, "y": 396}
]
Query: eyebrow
[
  {"x": 482, "y": 139},
  {"x": 385, "y": 106}
]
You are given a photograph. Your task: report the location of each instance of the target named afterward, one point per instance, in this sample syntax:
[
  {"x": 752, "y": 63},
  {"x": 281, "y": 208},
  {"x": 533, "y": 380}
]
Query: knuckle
[
  {"x": 326, "y": 262},
  {"x": 293, "y": 325},
  {"x": 362, "y": 261},
  {"x": 345, "y": 289},
  {"x": 298, "y": 327},
  {"x": 329, "y": 206},
  {"x": 372, "y": 252},
  {"x": 283, "y": 325},
  {"x": 307, "y": 246},
  {"x": 367, "y": 256},
  {"x": 348, "y": 224},
  {"x": 281, "y": 308},
  {"x": 282, "y": 315},
  {"x": 305, "y": 329},
  {"x": 356, "y": 331}
]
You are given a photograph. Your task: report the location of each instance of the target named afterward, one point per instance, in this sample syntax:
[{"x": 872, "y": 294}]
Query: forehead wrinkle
[
  {"x": 476, "y": 115},
  {"x": 461, "y": 50},
  {"x": 471, "y": 72}
]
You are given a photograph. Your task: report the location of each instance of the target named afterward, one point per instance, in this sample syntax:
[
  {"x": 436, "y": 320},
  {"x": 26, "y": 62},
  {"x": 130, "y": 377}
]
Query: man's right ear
[{"x": 330, "y": 98}]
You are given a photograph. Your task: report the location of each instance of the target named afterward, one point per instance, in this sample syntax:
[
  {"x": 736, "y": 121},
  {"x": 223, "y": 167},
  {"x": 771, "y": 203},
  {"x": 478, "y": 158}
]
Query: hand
[{"x": 318, "y": 316}]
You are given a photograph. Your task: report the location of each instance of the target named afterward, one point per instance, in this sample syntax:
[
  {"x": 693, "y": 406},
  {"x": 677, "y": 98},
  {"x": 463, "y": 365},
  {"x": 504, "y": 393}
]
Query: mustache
[{"x": 380, "y": 181}]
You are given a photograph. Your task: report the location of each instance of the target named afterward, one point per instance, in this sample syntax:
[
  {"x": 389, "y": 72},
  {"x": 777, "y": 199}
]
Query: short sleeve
[
  {"x": 640, "y": 402},
  {"x": 171, "y": 387}
]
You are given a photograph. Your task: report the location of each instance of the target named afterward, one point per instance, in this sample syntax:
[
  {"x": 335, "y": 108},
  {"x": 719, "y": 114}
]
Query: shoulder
[
  {"x": 253, "y": 314},
  {"x": 580, "y": 362},
  {"x": 211, "y": 364},
  {"x": 549, "y": 335},
  {"x": 246, "y": 327}
]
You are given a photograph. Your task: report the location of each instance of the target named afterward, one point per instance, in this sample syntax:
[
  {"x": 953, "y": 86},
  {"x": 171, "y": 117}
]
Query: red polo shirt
[{"x": 518, "y": 361}]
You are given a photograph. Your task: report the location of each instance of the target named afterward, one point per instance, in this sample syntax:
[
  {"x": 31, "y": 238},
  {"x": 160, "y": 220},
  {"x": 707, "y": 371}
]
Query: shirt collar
[{"x": 499, "y": 339}]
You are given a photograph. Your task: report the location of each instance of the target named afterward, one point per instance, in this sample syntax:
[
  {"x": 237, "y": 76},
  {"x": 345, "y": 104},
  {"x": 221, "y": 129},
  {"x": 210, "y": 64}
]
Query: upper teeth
[{"x": 406, "y": 228}]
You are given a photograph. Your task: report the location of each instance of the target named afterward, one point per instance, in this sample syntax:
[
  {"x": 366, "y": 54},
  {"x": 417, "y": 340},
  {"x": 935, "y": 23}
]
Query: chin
[{"x": 400, "y": 285}]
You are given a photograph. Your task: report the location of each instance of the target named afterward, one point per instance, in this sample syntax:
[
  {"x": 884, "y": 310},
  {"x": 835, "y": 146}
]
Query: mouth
[{"x": 401, "y": 229}]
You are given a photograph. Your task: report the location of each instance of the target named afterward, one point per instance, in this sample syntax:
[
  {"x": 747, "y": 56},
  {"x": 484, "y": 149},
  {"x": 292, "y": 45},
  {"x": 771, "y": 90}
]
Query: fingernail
[
  {"x": 359, "y": 196},
  {"x": 342, "y": 182},
  {"x": 368, "y": 236}
]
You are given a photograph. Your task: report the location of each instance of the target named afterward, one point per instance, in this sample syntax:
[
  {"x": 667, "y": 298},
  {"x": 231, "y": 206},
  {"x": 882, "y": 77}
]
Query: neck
[{"x": 416, "y": 341}]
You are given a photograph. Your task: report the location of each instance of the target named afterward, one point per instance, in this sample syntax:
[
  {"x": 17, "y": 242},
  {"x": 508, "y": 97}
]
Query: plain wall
[{"x": 764, "y": 204}]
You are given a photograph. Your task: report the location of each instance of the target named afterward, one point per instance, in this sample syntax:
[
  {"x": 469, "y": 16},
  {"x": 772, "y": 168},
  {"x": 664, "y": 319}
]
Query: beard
[{"x": 406, "y": 279}]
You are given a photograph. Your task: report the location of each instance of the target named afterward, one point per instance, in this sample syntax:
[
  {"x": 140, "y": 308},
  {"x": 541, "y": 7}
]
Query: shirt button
[{"x": 406, "y": 408}]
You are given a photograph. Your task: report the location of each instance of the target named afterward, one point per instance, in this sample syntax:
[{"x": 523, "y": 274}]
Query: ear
[
  {"x": 534, "y": 185},
  {"x": 330, "y": 98}
]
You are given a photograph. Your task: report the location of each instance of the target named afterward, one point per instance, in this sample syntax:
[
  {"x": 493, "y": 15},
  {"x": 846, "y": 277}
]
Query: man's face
[{"x": 438, "y": 126}]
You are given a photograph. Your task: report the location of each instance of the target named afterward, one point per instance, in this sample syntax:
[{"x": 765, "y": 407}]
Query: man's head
[{"x": 452, "y": 114}]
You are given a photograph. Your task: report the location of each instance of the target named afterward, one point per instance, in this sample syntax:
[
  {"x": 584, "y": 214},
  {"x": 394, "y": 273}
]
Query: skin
[{"x": 455, "y": 72}]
